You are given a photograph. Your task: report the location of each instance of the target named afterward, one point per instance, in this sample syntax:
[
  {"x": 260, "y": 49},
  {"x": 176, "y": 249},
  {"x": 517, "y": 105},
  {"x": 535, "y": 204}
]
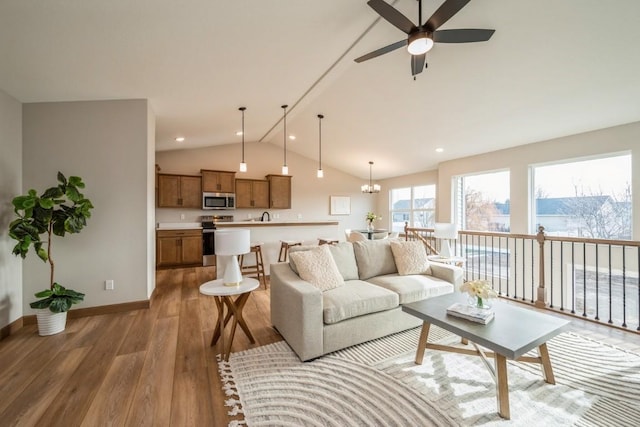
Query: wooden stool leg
[{"x": 260, "y": 265}]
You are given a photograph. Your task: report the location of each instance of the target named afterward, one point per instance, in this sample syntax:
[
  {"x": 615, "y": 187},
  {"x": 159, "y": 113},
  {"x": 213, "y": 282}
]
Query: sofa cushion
[
  {"x": 356, "y": 298},
  {"x": 374, "y": 258},
  {"x": 410, "y": 257},
  {"x": 342, "y": 254},
  {"x": 414, "y": 287},
  {"x": 317, "y": 267}
]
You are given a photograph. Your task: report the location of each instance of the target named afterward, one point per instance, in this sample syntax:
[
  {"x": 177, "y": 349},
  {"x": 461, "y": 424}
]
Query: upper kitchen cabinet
[
  {"x": 179, "y": 191},
  {"x": 279, "y": 191},
  {"x": 218, "y": 181},
  {"x": 252, "y": 193}
]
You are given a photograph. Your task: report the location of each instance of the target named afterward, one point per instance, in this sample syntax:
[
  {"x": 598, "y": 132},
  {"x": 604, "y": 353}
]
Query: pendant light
[
  {"x": 320, "y": 173},
  {"x": 243, "y": 165},
  {"x": 285, "y": 168},
  {"x": 370, "y": 188}
]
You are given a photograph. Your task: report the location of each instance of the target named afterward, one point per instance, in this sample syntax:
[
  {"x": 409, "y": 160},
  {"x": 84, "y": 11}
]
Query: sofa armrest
[
  {"x": 450, "y": 273},
  {"x": 296, "y": 311}
]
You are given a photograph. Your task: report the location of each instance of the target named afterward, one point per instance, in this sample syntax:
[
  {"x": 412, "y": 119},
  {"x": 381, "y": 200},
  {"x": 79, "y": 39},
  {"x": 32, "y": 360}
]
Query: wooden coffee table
[{"x": 512, "y": 333}]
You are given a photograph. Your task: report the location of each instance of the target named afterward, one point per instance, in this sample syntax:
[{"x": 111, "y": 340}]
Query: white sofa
[{"x": 367, "y": 305}]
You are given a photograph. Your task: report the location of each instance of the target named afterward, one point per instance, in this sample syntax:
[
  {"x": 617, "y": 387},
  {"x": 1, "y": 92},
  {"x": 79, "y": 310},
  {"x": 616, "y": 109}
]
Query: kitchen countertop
[
  {"x": 245, "y": 223},
  {"x": 290, "y": 223},
  {"x": 178, "y": 226}
]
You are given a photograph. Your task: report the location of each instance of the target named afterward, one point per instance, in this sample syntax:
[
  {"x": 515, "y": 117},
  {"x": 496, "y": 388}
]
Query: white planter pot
[{"x": 50, "y": 323}]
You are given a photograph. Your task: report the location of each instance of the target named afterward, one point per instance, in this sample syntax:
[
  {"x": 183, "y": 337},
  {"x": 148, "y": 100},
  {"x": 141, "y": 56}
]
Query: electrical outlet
[
  {"x": 109, "y": 285},
  {"x": 182, "y": 216},
  {"x": 248, "y": 216},
  {"x": 299, "y": 216}
]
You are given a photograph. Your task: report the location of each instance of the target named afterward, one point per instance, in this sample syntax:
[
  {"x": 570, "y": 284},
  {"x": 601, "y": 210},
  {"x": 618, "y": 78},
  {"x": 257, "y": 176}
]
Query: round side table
[{"x": 223, "y": 297}]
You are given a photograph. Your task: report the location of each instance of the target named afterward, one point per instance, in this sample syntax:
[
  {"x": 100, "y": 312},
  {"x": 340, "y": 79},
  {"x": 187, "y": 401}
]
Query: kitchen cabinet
[
  {"x": 279, "y": 191},
  {"x": 179, "y": 191},
  {"x": 177, "y": 248},
  {"x": 252, "y": 193},
  {"x": 218, "y": 181}
]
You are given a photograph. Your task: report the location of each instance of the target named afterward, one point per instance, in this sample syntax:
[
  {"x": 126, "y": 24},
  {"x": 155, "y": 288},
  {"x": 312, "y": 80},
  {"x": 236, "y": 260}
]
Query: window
[
  {"x": 415, "y": 205},
  {"x": 482, "y": 202},
  {"x": 584, "y": 198}
]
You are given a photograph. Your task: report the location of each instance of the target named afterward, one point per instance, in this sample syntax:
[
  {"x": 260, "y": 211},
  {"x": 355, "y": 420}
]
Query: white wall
[
  {"x": 517, "y": 160},
  {"x": 10, "y": 186},
  {"x": 106, "y": 143},
  {"x": 310, "y": 195}
]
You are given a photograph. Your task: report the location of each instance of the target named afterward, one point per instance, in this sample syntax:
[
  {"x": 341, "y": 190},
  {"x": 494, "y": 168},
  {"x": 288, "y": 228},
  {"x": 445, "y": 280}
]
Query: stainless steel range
[{"x": 208, "y": 241}]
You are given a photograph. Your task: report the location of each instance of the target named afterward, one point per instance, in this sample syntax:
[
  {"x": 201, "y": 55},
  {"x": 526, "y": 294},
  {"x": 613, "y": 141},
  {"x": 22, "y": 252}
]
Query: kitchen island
[{"x": 270, "y": 233}]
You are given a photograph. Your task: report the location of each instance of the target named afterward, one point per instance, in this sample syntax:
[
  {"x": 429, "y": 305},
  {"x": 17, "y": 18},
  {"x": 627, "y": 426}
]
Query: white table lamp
[
  {"x": 446, "y": 232},
  {"x": 232, "y": 242}
]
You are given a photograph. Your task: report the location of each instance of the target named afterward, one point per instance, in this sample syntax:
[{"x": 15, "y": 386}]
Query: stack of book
[{"x": 468, "y": 312}]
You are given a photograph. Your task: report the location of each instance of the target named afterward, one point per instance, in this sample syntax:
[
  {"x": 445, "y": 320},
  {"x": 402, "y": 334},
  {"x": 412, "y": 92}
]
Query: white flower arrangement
[
  {"x": 479, "y": 289},
  {"x": 372, "y": 217}
]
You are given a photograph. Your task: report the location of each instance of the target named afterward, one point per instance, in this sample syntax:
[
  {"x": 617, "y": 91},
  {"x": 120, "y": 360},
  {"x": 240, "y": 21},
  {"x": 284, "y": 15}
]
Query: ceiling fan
[{"x": 421, "y": 37}]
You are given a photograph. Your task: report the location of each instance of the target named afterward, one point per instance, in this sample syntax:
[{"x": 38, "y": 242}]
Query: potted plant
[{"x": 58, "y": 210}]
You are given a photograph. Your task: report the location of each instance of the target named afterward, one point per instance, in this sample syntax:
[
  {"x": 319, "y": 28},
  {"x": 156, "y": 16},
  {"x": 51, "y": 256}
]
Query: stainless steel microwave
[{"x": 218, "y": 201}]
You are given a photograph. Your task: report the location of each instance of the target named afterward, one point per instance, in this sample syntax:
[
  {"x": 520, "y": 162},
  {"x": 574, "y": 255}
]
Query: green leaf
[
  {"x": 46, "y": 203},
  {"x": 76, "y": 181},
  {"x": 59, "y": 305},
  {"x": 44, "y": 294},
  {"x": 61, "y": 179},
  {"x": 43, "y": 303}
]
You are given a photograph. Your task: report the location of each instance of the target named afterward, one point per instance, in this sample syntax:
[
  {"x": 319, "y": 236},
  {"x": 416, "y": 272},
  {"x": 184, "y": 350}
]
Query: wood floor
[{"x": 146, "y": 367}]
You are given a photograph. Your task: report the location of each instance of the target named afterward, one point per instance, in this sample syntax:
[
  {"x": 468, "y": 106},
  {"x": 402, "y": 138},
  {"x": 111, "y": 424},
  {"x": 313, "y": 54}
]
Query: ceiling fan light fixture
[{"x": 420, "y": 43}]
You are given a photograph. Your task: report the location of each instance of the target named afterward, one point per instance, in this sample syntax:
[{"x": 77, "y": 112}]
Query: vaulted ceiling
[{"x": 552, "y": 68}]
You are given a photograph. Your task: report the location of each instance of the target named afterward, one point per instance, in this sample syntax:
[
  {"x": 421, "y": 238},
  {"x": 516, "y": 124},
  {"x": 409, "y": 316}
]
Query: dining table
[{"x": 370, "y": 233}]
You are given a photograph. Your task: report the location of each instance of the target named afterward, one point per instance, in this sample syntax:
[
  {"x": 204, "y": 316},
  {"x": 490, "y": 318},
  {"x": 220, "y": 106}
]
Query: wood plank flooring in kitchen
[{"x": 146, "y": 367}]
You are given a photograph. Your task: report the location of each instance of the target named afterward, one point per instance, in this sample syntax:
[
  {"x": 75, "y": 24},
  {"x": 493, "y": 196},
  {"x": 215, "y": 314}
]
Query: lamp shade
[
  {"x": 233, "y": 241},
  {"x": 445, "y": 230}
]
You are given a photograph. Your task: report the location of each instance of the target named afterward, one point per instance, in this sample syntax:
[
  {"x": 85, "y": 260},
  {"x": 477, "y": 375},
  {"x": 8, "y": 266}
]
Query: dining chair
[{"x": 356, "y": 236}]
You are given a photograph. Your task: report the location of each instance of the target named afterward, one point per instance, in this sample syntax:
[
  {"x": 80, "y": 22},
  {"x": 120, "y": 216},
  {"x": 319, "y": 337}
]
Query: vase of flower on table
[
  {"x": 480, "y": 293},
  {"x": 370, "y": 218}
]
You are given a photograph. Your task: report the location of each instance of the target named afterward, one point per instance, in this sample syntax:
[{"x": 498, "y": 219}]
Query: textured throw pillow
[
  {"x": 318, "y": 267},
  {"x": 410, "y": 257}
]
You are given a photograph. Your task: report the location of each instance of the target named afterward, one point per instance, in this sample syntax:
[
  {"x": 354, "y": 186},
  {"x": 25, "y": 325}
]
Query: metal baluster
[
  {"x": 610, "y": 321},
  {"x": 624, "y": 286},
  {"x": 584, "y": 280},
  {"x": 551, "y": 271},
  {"x": 597, "y": 283},
  {"x": 532, "y": 272},
  {"x": 573, "y": 279}
]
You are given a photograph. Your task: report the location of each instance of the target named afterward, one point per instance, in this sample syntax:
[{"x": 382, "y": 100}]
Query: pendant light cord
[
  {"x": 320, "y": 117},
  {"x": 284, "y": 107},
  {"x": 242, "y": 109}
]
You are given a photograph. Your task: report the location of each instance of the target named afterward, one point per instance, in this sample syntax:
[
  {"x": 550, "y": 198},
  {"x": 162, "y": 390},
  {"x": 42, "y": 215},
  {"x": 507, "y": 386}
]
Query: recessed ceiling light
[
  {"x": 180, "y": 139},
  {"x": 292, "y": 137},
  {"x": 239, "y": 133},
  {"x": 439, "y": 150}
]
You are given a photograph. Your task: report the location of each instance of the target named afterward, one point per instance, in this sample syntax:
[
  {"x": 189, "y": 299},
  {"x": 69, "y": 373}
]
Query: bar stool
[
  {"x": 327, "y": 241},
  {"x": 284, "y": 249},
  {"x": 258, "y": 267}
]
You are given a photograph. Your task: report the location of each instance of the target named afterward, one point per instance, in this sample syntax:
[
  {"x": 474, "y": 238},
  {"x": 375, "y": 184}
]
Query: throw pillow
[
  {"x": 410, "y": 257},
  {"x": 318, "y": 267}
]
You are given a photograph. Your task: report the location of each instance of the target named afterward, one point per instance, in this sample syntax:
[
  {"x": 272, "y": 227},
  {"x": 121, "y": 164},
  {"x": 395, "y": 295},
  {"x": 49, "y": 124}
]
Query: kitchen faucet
[{"x": 268, "y": 216}]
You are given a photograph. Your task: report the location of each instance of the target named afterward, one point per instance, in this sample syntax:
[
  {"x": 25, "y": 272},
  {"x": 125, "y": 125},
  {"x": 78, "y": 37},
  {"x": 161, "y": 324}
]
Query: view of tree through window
[
  {"x": 482, "y": 202},
  {"x": 590, "y": 198},
  {"x": 416, "y": 205}
]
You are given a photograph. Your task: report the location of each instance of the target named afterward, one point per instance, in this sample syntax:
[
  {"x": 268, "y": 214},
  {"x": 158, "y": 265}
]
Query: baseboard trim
[
  {"x": 95, "y": 311},
  {"x": 11, "y": 328}
]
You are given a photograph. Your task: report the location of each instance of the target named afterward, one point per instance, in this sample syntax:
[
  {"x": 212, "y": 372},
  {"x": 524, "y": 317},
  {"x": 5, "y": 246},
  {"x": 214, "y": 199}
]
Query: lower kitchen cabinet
[{"x": 178, "y": 248}]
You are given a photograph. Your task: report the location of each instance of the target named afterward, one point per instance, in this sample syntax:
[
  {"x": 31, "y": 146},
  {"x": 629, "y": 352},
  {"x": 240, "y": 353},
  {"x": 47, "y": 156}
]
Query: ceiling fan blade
[
  {"x": 382, "y": 51},
  {"x": 392, "y": 15},
  {"x": 467, "y": 35},
  {"x": 444, "y": 13},
  {"x": 417, "y": 63}
]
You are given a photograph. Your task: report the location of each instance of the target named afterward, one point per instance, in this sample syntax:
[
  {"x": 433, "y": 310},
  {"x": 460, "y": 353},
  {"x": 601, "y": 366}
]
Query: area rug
[{"x": 378, "y": 384}]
